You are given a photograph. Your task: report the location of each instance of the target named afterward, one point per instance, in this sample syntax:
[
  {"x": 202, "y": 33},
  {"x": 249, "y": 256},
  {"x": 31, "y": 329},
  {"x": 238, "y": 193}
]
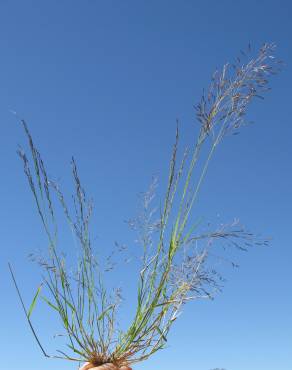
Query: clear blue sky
[{"x": 105, "y": 81}]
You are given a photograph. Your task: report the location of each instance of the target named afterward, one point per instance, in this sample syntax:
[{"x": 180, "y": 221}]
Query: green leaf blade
[{"x": 33, "y": 303}]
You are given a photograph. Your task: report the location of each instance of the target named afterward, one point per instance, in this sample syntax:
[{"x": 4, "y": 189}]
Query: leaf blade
[{"x": 33, "y": 303}]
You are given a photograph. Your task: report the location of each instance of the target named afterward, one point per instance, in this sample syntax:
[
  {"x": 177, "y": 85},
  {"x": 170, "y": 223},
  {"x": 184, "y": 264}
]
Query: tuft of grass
[{"x": 176, "y": 259}]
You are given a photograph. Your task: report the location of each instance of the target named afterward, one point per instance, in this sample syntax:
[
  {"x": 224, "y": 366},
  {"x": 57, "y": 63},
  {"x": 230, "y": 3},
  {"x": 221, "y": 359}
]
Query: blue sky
[{"x": 106, "y": 81}]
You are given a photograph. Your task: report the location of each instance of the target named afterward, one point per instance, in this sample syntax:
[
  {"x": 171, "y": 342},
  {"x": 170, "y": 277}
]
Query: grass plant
[{"x": 175, "y": 258}]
